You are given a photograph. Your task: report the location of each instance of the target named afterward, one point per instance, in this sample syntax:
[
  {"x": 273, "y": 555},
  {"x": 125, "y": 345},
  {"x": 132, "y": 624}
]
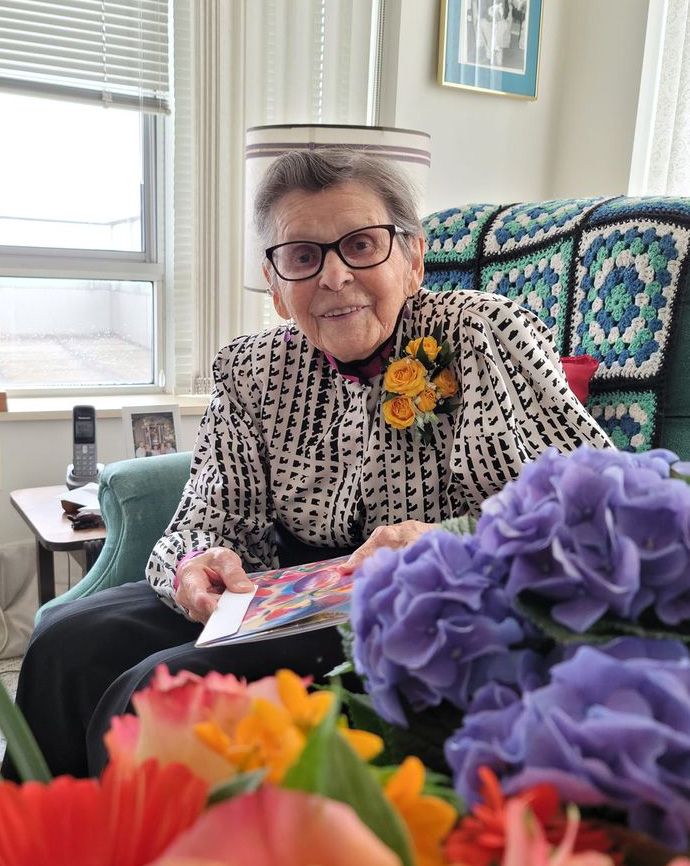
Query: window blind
[{"x": 109, "y": 51}]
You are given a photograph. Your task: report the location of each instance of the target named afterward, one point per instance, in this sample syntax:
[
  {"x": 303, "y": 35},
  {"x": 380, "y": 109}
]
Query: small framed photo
[
  {"x": 151, "y": 430},
  {"x": 491, "y": 45}
]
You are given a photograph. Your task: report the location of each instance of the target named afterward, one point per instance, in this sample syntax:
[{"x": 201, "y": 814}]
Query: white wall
[
  {"x": 602, "y": 52},
  {"x": 574, "y": 139}
]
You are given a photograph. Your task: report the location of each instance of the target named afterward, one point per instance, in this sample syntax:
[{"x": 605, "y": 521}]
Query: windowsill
[{"x": 107, "y": 406}]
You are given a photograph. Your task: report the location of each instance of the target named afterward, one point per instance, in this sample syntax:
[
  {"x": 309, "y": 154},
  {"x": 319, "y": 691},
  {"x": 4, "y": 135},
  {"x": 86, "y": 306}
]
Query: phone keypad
[{"x": 84, "y": 460}]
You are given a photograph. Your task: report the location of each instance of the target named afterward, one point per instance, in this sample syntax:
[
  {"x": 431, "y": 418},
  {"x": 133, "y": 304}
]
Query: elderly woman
[{"x": 295, "y": 460}]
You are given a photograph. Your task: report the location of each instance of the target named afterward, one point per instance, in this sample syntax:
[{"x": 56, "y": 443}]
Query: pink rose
[
  {"x": 167, "y": 711},
  {"x": 275, "y": 826}
]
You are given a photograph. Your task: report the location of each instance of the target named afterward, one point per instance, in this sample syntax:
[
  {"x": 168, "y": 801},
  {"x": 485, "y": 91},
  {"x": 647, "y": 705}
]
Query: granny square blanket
[{"x": 606, "y": 276}]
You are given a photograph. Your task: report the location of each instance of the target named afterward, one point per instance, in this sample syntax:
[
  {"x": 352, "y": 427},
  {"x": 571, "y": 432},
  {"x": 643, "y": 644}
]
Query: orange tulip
[
  {"x": 273, "y": 826},
  {"x": 125, "y": 819}
]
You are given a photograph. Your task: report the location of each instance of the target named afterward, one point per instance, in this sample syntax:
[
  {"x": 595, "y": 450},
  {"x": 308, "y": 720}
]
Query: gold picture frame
[{"x": 491, "y": 46}]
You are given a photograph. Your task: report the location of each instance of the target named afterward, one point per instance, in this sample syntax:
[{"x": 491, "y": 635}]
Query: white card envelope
[{"x": 227, "y": 617}]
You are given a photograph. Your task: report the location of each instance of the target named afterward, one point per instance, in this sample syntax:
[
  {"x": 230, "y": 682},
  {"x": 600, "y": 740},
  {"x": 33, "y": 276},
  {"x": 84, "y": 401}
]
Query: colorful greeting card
[{"x": 285, "y": 601}]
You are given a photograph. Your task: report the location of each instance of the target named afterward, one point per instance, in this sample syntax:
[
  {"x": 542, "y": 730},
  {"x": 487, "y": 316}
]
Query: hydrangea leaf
[
  {"x": 537, "y": 611},
  {"x": 424, "y": 737}
]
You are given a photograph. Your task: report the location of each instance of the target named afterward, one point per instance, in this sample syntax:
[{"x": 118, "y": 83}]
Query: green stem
[{"x": 21, "y": 745}]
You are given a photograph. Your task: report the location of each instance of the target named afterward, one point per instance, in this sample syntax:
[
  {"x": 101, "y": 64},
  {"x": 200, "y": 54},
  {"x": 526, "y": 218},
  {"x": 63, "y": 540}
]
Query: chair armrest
[{"x": 138, "y": 499}]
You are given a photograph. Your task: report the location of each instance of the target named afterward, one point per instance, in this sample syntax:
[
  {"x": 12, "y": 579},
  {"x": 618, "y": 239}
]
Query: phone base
[{"x": 73, "y": 481}]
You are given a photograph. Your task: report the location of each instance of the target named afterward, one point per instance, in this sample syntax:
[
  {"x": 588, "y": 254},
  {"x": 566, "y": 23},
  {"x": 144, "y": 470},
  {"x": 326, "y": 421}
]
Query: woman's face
[{"x": 343, "y": 311}]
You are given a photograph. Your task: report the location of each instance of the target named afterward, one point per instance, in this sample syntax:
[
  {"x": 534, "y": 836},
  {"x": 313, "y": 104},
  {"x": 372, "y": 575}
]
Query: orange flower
[
  {"x": 480, "y": 838},
  {"x": 273, "y": 826},
  {"x": 406, "y": 376},
  {"x": 273, "y": 733},
  {"x": 431, "y": 347},
  {"x": 426, "y": 402},
  {"x": 265, "y": 737},
  {"x": 428, "y": 819},
  {"x": 126, "y": 819},
  {"x": 399, "y": 412},
  {"x": 446, "y": 383},
  {"x": 308, "y": 710}
]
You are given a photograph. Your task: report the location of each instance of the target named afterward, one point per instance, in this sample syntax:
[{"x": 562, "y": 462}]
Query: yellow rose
[
  {"x": 446, "y": 383},
  {"x": 406, "y": 376},
  {"x": 431, "y": 347},
  {"x": 399, "y": 412},
  {"x": 426, "y": 400}
]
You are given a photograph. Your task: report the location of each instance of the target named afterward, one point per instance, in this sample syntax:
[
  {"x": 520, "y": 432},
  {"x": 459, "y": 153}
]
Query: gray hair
[{"x": 316, "y": 170}]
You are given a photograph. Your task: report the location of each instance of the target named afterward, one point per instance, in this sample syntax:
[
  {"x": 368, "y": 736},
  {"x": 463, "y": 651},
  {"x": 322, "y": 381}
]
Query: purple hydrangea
[
  {"x": 432, "y": 622},
  {"x": 595, "y": 532},
  {"x": 612, "y": 728}
]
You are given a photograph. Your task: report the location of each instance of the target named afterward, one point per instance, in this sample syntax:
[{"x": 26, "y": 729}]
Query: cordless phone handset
[{"x": 84, "y": 442}]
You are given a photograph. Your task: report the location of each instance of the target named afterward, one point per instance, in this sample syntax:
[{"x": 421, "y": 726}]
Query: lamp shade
[{"x": 408, "y": 148}]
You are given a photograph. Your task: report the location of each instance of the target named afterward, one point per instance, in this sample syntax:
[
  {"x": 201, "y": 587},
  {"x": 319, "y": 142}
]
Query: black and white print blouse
[{"x": 286, "y": 437}]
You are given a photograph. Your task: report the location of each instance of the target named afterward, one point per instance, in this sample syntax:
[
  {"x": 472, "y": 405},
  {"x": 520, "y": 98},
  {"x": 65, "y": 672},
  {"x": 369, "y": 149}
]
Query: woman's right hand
[{"x": 203, "y": 579}]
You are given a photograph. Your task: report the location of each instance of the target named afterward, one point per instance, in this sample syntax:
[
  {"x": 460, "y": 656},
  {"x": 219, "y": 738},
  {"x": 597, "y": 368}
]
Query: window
[
  {"x": 80, "y": 256},
  {"x": 80, "y": 279}
]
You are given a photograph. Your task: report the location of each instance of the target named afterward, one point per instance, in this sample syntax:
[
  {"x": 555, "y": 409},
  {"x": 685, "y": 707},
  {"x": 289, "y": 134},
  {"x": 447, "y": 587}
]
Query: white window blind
[{"x": 109, "y": 51}]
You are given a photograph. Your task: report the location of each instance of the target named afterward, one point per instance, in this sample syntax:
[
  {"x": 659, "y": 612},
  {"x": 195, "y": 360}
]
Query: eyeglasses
[{"x": 362, "y": 248}]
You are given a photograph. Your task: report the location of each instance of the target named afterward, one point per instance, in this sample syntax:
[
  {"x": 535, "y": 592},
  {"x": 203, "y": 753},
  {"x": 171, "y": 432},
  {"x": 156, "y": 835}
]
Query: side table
[{"x": 41, "y": 510}]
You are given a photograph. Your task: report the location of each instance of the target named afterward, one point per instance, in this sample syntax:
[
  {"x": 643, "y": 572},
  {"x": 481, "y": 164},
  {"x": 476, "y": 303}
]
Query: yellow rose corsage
[{"x": 420, "y": 387}]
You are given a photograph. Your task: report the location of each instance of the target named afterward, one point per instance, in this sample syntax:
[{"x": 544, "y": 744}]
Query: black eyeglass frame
[{"x": 393, "y": 231}]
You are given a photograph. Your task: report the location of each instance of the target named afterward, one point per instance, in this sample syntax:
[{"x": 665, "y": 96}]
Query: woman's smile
[{"x": 344, "y": 312}]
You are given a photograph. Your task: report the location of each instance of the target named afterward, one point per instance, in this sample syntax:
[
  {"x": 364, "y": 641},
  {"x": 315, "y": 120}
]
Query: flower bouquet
[
  {"x": 530, "y": 679},
  {"x": 420, "y": 386}
]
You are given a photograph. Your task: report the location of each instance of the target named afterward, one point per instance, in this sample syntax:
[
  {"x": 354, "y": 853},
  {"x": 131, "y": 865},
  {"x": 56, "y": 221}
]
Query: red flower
[
  {"x": 480, "y": 838},
  {"x": 127, "y": 818}
]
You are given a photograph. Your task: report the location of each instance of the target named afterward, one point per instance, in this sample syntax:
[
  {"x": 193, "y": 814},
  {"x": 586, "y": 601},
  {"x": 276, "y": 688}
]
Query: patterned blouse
[{"x": 288, "y": 438}]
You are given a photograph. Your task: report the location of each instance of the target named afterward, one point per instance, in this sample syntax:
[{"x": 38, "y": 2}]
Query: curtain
[
  {"x": 205, "y": 183},
  {"x": 667, "y": 169}
]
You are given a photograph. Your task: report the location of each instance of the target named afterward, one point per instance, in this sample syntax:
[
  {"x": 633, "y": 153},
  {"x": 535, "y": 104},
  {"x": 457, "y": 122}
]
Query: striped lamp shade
[{"x": 409, "y": 148}]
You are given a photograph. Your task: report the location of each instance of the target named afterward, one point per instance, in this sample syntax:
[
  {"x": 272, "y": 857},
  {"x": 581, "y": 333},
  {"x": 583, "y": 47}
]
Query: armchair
[
  {"x": 138, "y": 498},
  {"x": 609, "y": 277}
]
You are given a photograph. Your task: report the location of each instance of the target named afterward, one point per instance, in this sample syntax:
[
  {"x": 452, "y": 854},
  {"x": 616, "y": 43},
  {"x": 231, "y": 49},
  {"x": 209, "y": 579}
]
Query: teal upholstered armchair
[
  {"x": 609, "y": 277},
  {"x": 138, "y": 499}
]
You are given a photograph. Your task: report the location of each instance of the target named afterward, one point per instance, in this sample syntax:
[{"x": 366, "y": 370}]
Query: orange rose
[
  {"x": 446, "y": 383},
  {"x": 406, "y": 376},
  {"x": 399, "y": 412},
  {"x": 431, "y": 347},
  {"x": 426, "y": 400}
]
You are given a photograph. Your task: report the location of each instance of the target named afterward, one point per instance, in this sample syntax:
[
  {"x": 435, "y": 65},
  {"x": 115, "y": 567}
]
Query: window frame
[{"x": 145, "y": 265}]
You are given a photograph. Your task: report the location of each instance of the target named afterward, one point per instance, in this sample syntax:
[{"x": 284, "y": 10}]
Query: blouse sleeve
[
  {"x": 226, "y": 501},
  {"x": 516, "y": 400}
]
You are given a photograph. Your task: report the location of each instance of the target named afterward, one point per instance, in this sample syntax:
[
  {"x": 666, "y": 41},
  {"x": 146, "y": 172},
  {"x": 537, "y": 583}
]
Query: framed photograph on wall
[
  {"x": 491, "y": 45},
  {"x": 151, "y": 430}
]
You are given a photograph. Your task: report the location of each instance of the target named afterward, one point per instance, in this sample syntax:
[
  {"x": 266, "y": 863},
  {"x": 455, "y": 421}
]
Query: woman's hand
[
  {"x": 394, "y": 535},
  {"x": 203, "y": 579}
]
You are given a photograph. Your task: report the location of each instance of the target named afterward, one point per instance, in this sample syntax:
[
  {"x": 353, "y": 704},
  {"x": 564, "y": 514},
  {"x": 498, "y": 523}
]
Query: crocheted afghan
[{"x": 606, "y": 276}]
